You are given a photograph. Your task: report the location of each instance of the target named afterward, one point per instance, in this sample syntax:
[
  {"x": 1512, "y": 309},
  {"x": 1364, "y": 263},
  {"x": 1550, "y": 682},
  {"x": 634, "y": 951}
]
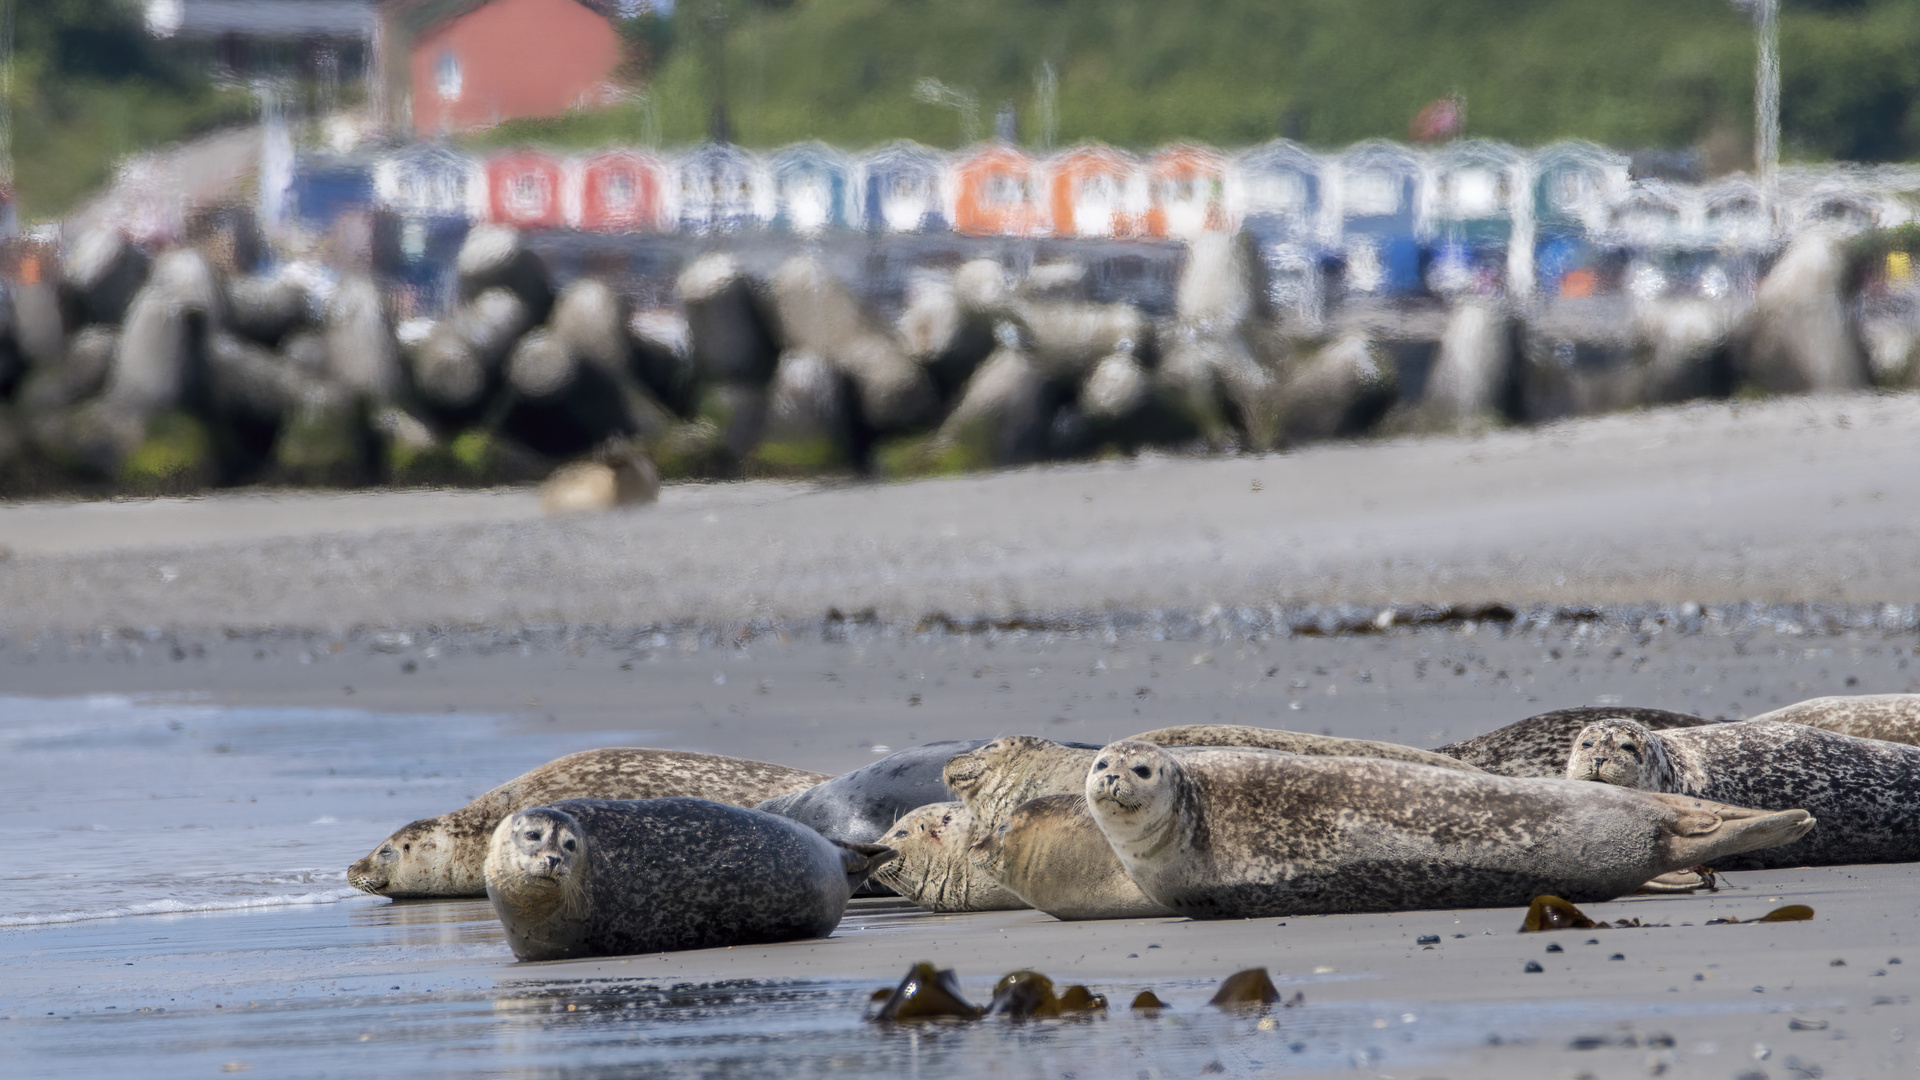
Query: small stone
[{"x": 1533, "y": 965}]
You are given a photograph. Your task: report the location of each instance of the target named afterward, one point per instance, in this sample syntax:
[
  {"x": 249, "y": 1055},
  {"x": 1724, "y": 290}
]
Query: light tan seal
[
  {"x": 444, "y": 856},
  {"x": 932, "y": 868},
  {"x": 1865, "y": 792},
  {"x": 1297, "y": 742},
  {"x": 1887, "y": 717},
  {"x": 1253, "y": 833},
  {"x": 600, "y": 877},
  {"x": 1051, "y": 855}
]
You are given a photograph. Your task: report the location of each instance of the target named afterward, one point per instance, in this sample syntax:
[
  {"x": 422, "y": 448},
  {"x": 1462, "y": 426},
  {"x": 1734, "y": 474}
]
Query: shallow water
[{"x": 177, "y": 907}]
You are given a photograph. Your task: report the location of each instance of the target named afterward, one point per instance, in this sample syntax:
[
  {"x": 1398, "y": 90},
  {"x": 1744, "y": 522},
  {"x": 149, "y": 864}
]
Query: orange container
[
  {"x": 1186, "y": 188},
  {"x": 1095, "y": 193},
  {"x": 999, "y": 193},
  {"x": 620, "y": 192},
  {"x": 524, "y": 190}
]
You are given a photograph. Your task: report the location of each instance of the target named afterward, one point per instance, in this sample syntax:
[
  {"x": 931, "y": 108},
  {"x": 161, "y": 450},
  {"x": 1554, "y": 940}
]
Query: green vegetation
[
  {"x": 91, "y": 87},
  {"x": 1139, "y": 73}
]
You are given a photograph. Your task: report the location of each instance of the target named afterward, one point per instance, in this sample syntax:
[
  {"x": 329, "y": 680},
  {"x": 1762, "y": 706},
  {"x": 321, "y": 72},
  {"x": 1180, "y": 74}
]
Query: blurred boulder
[
  {"x": 1068, "y": 338},
  {"x": 1472, "y": 371},
  {"x": 38, "y": 327},
  {"x": 265, "y": 307},
  {"x": 817, "y": 314},
  {"x": 493, "y": 257},
  {"x": 101, "y": 272},
  {"x": 455, "y": 367},
  {"x": 565, "y": 403},
  {"x": 727, "y": 329},
  {"x": 159, "y": 363},
  {"x": 1216, "y": 288},
  {"x": 809, "y": 429},
  {"x": 306, "y": 352},
  {"x": 1338, "y": 392},
  {"x": 1685, "y": 346},
  {"x": 361, "y": 353},
  {"x": 942, "y": 335},
  {"x": 81, "y": 375},
  {"x": 589, "y": 321},
  {"x": 1001, "y": 417},
  {"x": 662, "y": 357},
  {"x": 1801, "y": 340},
  {"x": 325, "y": 440}
]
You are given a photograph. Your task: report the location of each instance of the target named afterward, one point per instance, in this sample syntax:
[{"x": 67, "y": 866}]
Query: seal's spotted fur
[
  {"x": 1887, "y": 717},
  {"x": 597, "y": 877},
  {"x": 1253, "y": 833},
  {"x": 443, "y": 856},
  {"x": 1864, "y": 792},
  {"x": 1537, "y": 746}
]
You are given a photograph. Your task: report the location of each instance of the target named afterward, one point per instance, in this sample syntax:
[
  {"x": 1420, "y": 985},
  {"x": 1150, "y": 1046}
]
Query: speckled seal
[
  {"x": 1297, "y": 742},
  {"x": 1537, "y": 746},
  {"x": 932, "y": 867},
  {"x": 1052, "y": 856},
  {"x": 443, "y": 856},
  {"x": 994, "y": 779},
  {"x": 1233, "y": 833},
  {"x": 600, "y": 877},
  {"x": 1887, "y": 717},
  {"x": 1865, "y": 793},
  {"x": 866, "y": 802}
]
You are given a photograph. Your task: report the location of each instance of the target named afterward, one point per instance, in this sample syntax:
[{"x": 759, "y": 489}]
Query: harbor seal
[
  {"x": 1887, "y": 717},
  {"x": 860, "y": 805},
  {"x": 931, "y": 867},
  {"x": 1865, "y": 792},
  {"x": 1537, "y": 746},
  {"x": 1225, "y": 833},
  {"x": 600, "y": 877},
  {"x": 443, "y": 856},
  {"x": 1297, "y": 742},
  {"x": 1052, "y": 856}
]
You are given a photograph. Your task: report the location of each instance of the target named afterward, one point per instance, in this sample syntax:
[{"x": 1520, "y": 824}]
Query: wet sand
[{"x": 717, "y": 643}]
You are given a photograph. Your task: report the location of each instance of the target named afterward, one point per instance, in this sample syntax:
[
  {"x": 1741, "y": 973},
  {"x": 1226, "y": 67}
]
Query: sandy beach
[{"x": 1717, "y": 559}]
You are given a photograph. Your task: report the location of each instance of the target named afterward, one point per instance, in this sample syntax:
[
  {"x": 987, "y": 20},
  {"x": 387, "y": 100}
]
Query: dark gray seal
[
  {"x": 1537, "y": 746},
  {"x": 1253, "y": 833},
  {"x": 599, "y": 877},
  {"x": 860, "y": 805},
  {"x": 1887, "y": 717},
  {"x": 442, "y": 856},
  {"x": 1864, "y": 792}
]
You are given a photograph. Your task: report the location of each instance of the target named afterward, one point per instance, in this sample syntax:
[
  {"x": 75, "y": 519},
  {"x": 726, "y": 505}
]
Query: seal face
[
  {"x": 933, "y": 869},
  {"x": 1865, "y": 792},
  {"x": 1537, "y": 746},
  {"x": 1233, "y": 833},
  {"x": 600, "y": 877},
  {"x": 443, "y": 856}
]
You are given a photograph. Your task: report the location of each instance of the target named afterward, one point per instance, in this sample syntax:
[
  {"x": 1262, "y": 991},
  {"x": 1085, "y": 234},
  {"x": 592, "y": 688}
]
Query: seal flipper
[
  {"x": 861, "y": 860},
  {"x": 1700, "y": 831}
]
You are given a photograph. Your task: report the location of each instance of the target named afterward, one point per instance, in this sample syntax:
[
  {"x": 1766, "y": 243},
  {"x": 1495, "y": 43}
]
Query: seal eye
[
  {"x": 533, "y": 834},
  {"x": 1587, "y": 745},
  {"x": 568, "y": 844},
  {"x": 1143, "y": 772},
  {"x": 1628, "y": 747},
  {"x": 1101, "y": 764},
  {"x": 406, "y": 847}
]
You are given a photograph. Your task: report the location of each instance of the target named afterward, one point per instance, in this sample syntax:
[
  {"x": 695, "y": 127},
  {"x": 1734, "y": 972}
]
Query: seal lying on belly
[
  {"x": 1297, "y": 742},
  {"x": 1250, "y": 833},
  {"x": 1537, "y": 746},
  {"x": 443, "y": 856},
  {"x": 1887, "y": 717},
  {"x": 1051, "y": 855},
  {"x": 864, "y": 803},
  {"x": 932, "y": 868},
  {"x": 1865, "y": 792},
  {"x": 598, "y": 877}
]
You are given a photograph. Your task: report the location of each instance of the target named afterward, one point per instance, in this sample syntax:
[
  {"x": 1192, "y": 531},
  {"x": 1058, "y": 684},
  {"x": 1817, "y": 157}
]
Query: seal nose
[{"x": 553, "y": 862}]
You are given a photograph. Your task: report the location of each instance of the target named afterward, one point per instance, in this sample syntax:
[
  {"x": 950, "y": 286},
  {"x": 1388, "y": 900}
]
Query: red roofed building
[{"x": 455, "y": 65}]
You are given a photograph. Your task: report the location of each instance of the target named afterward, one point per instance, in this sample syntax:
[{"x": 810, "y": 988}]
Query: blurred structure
[{"x": 455, "y": 65}]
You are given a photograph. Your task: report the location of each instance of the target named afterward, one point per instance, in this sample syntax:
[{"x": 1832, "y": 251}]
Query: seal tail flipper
[
  {"x": 1701, "y": 831},
  {"x": 861, "y": 860}
]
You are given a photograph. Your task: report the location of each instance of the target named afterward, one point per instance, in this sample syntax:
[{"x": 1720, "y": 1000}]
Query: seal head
[{"x": 1623, "y": 753}]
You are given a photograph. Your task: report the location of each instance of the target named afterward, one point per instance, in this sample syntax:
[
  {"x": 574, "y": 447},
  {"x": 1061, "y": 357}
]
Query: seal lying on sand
[
  {"x": 932, "y": 868},
  {"x": 1865, "y": 792},
  {"x": 596, "y": 877},
  {"x": 443, "y": 856},
  {"x": 1296, "y": 742},
  {"x": 860, "y": 805},
  {"x": 1537, "y": 746},
  {"x": 1887, "y": 717},
  {"x": 1051, "y": 855},
  {"x": 1253, "y": 833}
]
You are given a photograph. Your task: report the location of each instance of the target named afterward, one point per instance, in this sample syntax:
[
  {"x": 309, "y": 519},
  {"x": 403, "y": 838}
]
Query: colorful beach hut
[
  {"x": 1276, "y": 192},
  {"x": 1097, "y": 191},
  {"x": 812, "y": 189},
  {"x": 998, "y": 191},
  {"x": 622, "y": 191},
  {"x": 1187, "y": 192},
  {"x": 720, "y": 188},
  {"x": 903, "y": 189},
  {"x": 1378, "y": 191},
  {"x": 1476, "y": 190},
  {"x": 526, "y": 189},
  {"x": 430, "y": 181},
  {"x": 1574, "y": 187}
]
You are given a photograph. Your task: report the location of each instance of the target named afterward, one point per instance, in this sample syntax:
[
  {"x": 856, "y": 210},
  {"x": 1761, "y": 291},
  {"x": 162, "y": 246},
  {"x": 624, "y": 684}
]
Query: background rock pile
[{"x": 160, "y": 372}]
